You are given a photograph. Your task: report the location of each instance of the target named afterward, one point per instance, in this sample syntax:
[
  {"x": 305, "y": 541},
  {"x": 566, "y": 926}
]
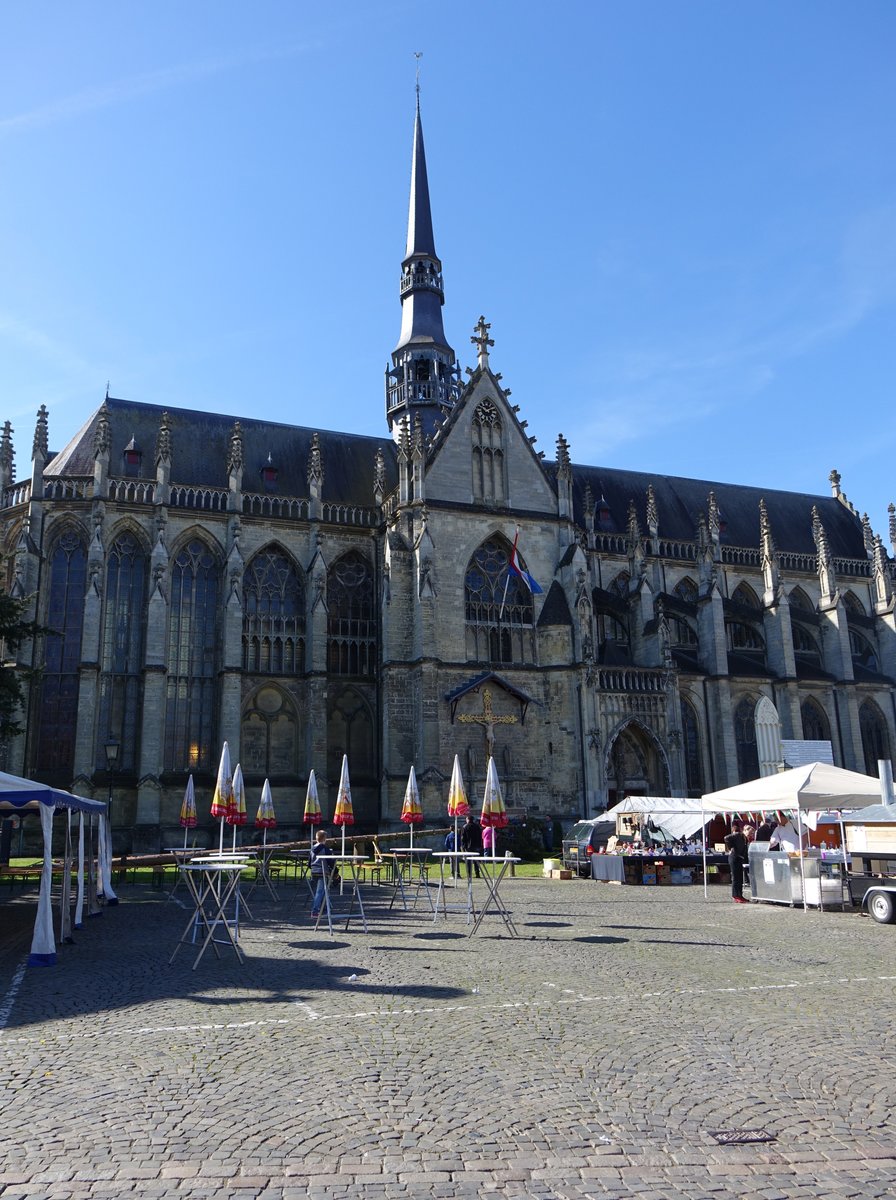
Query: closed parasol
[
  {"x": 494, "y": 813},
  {"x": 344, "y": 814},
  {"x": 237, "y": 812},
  {"x": 411, "y": 812},
  {"x": 223, "y": 795},
  {"x": 188, "y": 817}
]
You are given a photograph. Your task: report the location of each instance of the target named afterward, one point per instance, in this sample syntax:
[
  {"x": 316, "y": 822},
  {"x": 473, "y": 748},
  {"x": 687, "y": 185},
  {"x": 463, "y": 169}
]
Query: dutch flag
[{"x": 517, "y": 569}]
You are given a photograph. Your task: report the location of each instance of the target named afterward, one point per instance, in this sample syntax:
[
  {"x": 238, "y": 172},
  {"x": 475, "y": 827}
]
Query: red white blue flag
[{"x": 517, "y": 569}]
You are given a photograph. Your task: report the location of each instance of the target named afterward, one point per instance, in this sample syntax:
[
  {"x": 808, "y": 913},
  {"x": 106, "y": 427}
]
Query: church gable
[{"x": 482, "y": 455}]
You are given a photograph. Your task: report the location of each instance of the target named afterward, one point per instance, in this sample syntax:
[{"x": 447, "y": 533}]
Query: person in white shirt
[{"x": 785, "y": 837}]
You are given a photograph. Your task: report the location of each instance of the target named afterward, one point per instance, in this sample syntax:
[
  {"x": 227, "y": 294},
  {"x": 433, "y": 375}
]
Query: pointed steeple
[{"x": 424, "y": 375}]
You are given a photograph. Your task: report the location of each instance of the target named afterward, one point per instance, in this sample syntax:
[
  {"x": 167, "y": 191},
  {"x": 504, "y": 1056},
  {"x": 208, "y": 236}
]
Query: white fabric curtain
[
  {"x": 105, "y": 861},
  {"x": 65, "y": 897},
  {"x": 43, "y": 944},
  {"x": 79, "y": 902}
]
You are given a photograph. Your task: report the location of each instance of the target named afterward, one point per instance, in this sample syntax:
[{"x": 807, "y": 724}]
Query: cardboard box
[
  {"x": 561, "y": 874},
  {"x": 648, "y": 877}
]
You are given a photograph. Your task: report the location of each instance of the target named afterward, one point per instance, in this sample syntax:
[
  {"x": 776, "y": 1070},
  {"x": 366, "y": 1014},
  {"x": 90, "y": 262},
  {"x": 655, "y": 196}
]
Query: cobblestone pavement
[{"x": 592, "y": 1057}]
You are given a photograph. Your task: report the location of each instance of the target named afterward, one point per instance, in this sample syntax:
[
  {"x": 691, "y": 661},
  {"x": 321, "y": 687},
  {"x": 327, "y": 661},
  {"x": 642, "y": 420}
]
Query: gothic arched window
[
  {"x": 853, "y": 604},
  {"x": 863, "y": 653},
  {"x": 488, "y": 454},
  {"x": 875, "y": 739},
  {"x": 743, "y": 637},
  {"x": 816, "y": 727},
  {"x": 619, "y": 586},
  {"x": 273, "y": 616},
  {"x": 745, "y": 739},
  {"x": 60, "y": 676},
  {"x": 745, "y": 595},
  {"x": 686, "y": 590},
  {"x": 498, "y": 608},
  {"x": 799, "y": 600},
  {"x": 192, "y": 659},
  {"x": 351, "y": 620},
  {"x": 693, "y": 762},
  {"x": 681, "y": 632},
  {"x": 121, "y": 662},
  {"x": 269, "y": 735},
  {"x": 805, "y": 645}
]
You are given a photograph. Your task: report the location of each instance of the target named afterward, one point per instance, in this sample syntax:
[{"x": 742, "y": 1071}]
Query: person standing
[
  {"x": 488, "y": 840},
  {"x": 320, "y": 851},
  {"x": 736, "y": 845},
  {"x": 471, "y": 841}
]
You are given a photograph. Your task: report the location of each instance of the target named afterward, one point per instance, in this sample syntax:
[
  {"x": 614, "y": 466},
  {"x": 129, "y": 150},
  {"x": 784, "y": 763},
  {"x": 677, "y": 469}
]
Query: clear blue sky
[{"x": 679, "y": 217}]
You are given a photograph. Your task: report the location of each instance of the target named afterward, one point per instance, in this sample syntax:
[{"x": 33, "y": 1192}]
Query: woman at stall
[{"x": 737, "y": 847}]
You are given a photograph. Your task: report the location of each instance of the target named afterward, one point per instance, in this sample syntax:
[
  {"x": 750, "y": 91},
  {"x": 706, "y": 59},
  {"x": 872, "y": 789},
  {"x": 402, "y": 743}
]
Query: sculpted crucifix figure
[{"x": 489, "y": 718}]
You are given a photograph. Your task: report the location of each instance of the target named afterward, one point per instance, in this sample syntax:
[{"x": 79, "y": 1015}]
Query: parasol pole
[{"x": 221, "y": 843}]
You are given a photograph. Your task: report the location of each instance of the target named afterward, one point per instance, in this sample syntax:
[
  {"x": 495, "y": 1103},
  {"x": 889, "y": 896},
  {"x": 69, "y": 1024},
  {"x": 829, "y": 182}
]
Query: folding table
[
  {"x": 212, "y": 885},
  {"x": 493, "y": 871},
  {"x": 453, "y": 859}
]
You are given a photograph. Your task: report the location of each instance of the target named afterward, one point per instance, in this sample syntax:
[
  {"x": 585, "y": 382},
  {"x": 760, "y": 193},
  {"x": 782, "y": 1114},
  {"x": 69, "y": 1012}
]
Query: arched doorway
[{"x": 636, "y": 764}]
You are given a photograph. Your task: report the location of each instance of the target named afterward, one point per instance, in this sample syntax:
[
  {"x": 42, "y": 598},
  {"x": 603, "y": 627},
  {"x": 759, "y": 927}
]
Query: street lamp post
[{"x": 111, "y": 761}]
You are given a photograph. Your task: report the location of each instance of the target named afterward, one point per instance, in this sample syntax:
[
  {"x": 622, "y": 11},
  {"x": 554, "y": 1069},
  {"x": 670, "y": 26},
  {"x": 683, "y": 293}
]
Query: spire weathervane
[{"x": 418, "y": 54}]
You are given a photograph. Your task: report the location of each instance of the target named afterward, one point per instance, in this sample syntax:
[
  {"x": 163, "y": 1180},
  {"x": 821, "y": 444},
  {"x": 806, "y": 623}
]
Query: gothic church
[{"x": 304, "y": 593}]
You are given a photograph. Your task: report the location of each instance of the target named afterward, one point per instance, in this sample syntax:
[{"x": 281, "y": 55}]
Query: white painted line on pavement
[
  {"x": 10, "y": 998},
  {"x": 105, "y": 1032}
]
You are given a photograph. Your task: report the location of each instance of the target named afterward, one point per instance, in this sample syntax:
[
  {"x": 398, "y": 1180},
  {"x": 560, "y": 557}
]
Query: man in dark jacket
[{"x": 471, "y": 841}]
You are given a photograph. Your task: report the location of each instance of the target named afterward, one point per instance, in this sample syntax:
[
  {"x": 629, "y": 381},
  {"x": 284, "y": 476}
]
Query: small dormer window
[
  {"x": 269, "y": 476},
  {"x": 132, "y": 458}
]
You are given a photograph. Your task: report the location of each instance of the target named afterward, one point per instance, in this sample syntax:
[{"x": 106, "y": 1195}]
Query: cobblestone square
[{"x": 594, "y": 1056}]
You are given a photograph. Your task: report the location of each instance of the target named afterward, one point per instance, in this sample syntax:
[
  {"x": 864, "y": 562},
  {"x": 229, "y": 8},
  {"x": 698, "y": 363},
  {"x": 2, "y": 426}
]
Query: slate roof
[
  {"x": 679, "y": 501},
  {"x": 200, "y": 444},
  {"x": 200, "y": 447}
]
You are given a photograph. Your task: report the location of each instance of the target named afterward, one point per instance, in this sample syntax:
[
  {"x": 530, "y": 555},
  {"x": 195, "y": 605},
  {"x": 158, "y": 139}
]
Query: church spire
[{"x": 423, "y": 379}]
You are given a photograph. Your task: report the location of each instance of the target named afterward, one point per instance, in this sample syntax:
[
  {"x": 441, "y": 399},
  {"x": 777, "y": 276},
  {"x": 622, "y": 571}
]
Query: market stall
[{"x": 809, "y": 789}]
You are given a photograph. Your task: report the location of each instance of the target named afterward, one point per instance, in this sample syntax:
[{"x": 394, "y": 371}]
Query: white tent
[
  {"x": 812, "y": 788},
  {"x": 19, "y": 795},
  {"x": 679, "y": 816}
]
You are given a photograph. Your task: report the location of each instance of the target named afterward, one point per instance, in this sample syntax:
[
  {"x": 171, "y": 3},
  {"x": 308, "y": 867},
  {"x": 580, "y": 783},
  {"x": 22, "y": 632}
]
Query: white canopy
[
  {"x": 679, "y": 816},
  {"x": 813, "y": 787},
  {"x": 19, "y": 795}
]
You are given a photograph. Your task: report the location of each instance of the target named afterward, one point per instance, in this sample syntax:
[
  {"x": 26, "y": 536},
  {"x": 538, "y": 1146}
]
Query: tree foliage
[{"x": 14, "y": 630}]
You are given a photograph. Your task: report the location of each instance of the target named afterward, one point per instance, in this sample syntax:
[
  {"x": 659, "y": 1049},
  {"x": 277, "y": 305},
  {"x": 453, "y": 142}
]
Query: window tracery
[
  {"x": 488, "y": 454},
  {"x": 60, "y": 677},
  {"x": 351, "y": 620},
  {"x": 498, "y": 608},
  {"x": 192, "y": 659},
  {"x": 273, "y": 615},
  {"x": 121, "y": 677}
]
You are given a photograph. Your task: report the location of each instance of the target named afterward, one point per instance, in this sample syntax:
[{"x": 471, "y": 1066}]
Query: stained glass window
[
  {"x": 498, "y": 608},
  {"x": 60, "y": 678},
  {"x": 190, "y": 726},
  {"x": 351, "y": 621},
  {"x": 273, "y": 616},
  {"x": 121, "y": 670}
]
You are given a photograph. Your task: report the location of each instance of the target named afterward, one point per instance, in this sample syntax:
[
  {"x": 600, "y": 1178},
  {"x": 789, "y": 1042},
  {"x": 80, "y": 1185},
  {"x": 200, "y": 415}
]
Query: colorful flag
[{"x": 519, "y": 570}]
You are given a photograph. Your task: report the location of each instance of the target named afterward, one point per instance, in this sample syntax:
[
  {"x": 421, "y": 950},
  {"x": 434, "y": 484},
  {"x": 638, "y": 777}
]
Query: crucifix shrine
[{"x": 489, "y": 718}]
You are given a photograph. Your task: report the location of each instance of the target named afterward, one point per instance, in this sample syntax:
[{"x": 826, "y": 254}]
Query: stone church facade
[{"x": 304, "y": 594}]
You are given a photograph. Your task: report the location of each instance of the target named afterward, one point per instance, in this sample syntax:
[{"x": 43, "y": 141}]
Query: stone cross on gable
[
  {"x": 489, "y": 718},
  {"x": 481, "y": 339}
]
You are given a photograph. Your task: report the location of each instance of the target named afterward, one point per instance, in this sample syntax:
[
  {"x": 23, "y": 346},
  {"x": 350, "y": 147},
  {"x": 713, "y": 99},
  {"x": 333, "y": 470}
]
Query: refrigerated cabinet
[{"x": 775, "y": 877}]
